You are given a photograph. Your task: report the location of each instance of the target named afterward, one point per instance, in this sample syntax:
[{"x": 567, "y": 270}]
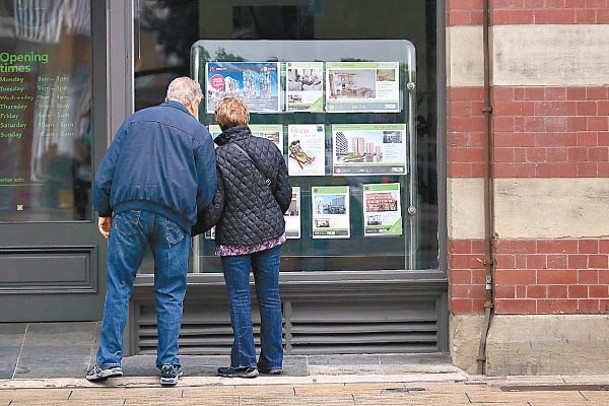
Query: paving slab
[
  {"x": 44, "y": 366},
  {"x": 11, "y": 341},
  {"x": 7, "y": 366},
  {"x": 343, "y": 388},
  {"x": 237, "y": 389},
  {"x": 600, "y": 397},
  {"x": 385, "y": 369},
  {"x": 344, "y": 359},
  {"x": 50, "y": 395},
  {"x": 416, "y": 359},
  {"x": 12, "y": 328}
]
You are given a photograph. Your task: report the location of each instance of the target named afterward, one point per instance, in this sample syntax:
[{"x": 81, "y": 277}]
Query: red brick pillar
[{"x": 550, "y": 67}]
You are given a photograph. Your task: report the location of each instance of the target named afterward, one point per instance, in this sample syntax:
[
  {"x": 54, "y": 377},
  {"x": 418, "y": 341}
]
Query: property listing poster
[
  {"x": 214, "y": 130},
  {"x": 382, "y": 210},
  {"x": 330, "y": 212},
  {"x": 306, "y": 150},
  {"x": 369, "y": 149},
  {"x": 362, "y": 86},
  {"x": 305, "y": 86},
  {"x": 292, "y": 216},
  {"x": 257, "y": 83},
  {"x": 272, "y": 132}
]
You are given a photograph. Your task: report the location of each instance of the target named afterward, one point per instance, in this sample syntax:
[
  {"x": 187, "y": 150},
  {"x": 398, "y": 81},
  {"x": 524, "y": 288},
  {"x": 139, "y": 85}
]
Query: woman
[{"x": 253, "y": 194}]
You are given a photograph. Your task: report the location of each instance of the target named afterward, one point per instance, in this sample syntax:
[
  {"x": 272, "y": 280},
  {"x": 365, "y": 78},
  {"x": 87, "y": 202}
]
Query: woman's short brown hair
[{"x": 231, "y": 112}]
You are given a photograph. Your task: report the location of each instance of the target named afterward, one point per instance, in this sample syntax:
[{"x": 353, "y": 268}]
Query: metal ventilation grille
[
  {"x": 361, "y": 327},
  {"x": 309, "y": 327},
  {"x": 205, "y": 330}
]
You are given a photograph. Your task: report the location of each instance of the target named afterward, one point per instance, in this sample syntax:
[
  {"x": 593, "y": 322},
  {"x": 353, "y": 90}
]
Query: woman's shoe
[
  {"x": 242, "y": 372},
  {"x": 270, "y": 371}
]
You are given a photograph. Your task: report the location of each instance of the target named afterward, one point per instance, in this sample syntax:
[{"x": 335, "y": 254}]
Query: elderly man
[{"x": 157, "y": 174}]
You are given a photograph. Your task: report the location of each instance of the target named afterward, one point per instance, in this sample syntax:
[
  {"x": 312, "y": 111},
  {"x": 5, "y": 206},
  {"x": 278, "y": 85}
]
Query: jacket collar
[
  {"x": 233, "y": 134},
  {"x": 176, "y": 105}
]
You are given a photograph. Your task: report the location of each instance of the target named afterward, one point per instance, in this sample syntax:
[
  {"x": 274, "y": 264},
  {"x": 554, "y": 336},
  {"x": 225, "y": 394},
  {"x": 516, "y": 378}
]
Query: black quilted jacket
[{"x": 245, "y": 210}]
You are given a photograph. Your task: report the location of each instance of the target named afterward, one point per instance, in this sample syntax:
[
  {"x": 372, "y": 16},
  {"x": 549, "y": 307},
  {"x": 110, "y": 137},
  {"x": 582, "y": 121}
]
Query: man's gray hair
[{"x": 184, "y": 90}]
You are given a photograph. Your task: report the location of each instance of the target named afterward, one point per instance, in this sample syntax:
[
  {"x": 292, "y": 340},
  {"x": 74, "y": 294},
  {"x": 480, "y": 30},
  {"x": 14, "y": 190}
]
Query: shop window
[
  {"x": 159, "y": 57},
  {"x": 271, "y": 22}
]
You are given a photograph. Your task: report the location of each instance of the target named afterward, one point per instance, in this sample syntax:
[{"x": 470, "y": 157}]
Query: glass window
[
  {"x": 164, "y": 33},
  {"x": 45, "y": 110}
]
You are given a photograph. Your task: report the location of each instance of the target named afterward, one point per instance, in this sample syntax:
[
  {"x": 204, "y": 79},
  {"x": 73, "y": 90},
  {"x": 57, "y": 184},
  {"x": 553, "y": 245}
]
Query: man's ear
[{"x": 194, "y": 109}]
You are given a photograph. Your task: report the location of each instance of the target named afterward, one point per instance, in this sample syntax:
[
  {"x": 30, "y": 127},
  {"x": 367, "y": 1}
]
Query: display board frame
[{"x": 356, "y": 249}]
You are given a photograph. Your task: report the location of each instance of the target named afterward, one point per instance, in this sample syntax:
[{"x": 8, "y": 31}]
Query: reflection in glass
[{"x": 45, "y": 110}]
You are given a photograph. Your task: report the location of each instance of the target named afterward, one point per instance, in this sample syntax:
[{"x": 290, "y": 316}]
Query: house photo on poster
[
  {"x": 362, "y": 87},
  {"x": 306, "y": 150},
  {"x": 292, "y": 215},
  {"x": 305, "y": 86},
  {"x": 382, "y": 210},
  {"x": 330, "y": 212},
  {"x": 257, "y": 83},
  {"x": 272, "y": 132},
  {"x": 369, "y": 149}
]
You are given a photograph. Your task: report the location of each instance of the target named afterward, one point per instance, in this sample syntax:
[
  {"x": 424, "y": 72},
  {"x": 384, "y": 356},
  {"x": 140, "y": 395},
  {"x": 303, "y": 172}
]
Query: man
[{"x": 159, "y": 171}]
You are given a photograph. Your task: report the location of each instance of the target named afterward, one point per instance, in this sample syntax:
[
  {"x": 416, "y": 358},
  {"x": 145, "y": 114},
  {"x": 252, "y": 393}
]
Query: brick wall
[{"x": 551, "y": 156}]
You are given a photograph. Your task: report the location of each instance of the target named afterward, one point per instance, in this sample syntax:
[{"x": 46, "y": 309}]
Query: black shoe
[
  {"x": 243, "y": 372},
  {"x": 98, "y": 373},
  {"x": 270, "y": 371},
  {"x": 170, "y": 374}
]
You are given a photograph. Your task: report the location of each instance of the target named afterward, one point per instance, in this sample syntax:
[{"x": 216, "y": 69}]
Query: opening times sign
[
  {"x": 45, "y": 138},
  {"x": 43, "y": 97},
  {"x": 15, "y": 95}
]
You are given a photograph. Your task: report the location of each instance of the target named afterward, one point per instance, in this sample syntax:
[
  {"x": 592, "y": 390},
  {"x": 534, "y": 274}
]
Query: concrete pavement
[
  {"x": 336, "y": 382},
  {"x": 381, "y": 390},
  {"x": 44, "y": 364}
]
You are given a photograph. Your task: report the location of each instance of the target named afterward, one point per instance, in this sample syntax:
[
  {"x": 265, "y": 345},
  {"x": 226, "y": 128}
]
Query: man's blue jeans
[
  {"x": 131, "y": 232},
  {"x": 265, "y": 265}
]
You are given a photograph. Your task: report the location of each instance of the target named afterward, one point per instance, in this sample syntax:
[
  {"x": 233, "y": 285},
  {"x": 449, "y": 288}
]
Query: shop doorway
[{"x": 53, "y": 135}]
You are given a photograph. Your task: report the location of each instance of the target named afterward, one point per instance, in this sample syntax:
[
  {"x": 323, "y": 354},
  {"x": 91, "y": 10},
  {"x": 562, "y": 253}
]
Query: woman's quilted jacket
[{"x": 245, "y": 210}]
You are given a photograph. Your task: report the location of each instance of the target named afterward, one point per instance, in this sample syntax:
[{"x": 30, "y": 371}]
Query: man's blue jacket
[{"x": 162, "y": 160}]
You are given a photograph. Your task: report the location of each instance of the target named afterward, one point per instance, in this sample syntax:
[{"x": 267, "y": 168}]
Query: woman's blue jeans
[
  {"x": 265, "y": 266},
  {"x": 131, "y": 232}
]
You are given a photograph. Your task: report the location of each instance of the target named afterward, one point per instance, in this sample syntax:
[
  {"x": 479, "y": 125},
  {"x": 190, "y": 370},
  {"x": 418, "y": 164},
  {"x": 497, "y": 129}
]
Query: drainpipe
[{"x": 488, "y": 262}]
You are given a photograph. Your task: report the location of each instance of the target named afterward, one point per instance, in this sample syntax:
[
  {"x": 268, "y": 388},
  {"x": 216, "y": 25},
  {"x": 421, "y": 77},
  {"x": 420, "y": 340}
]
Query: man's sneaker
[
  {"x": 98, "y": 373},
  {"x": 270, "y": 371},
  {"x": 170, "y": 374},
  {"x": 243, "y": 372}
]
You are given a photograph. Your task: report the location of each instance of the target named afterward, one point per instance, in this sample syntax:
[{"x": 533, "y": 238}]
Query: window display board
[{"x": 343, "y": 115}]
